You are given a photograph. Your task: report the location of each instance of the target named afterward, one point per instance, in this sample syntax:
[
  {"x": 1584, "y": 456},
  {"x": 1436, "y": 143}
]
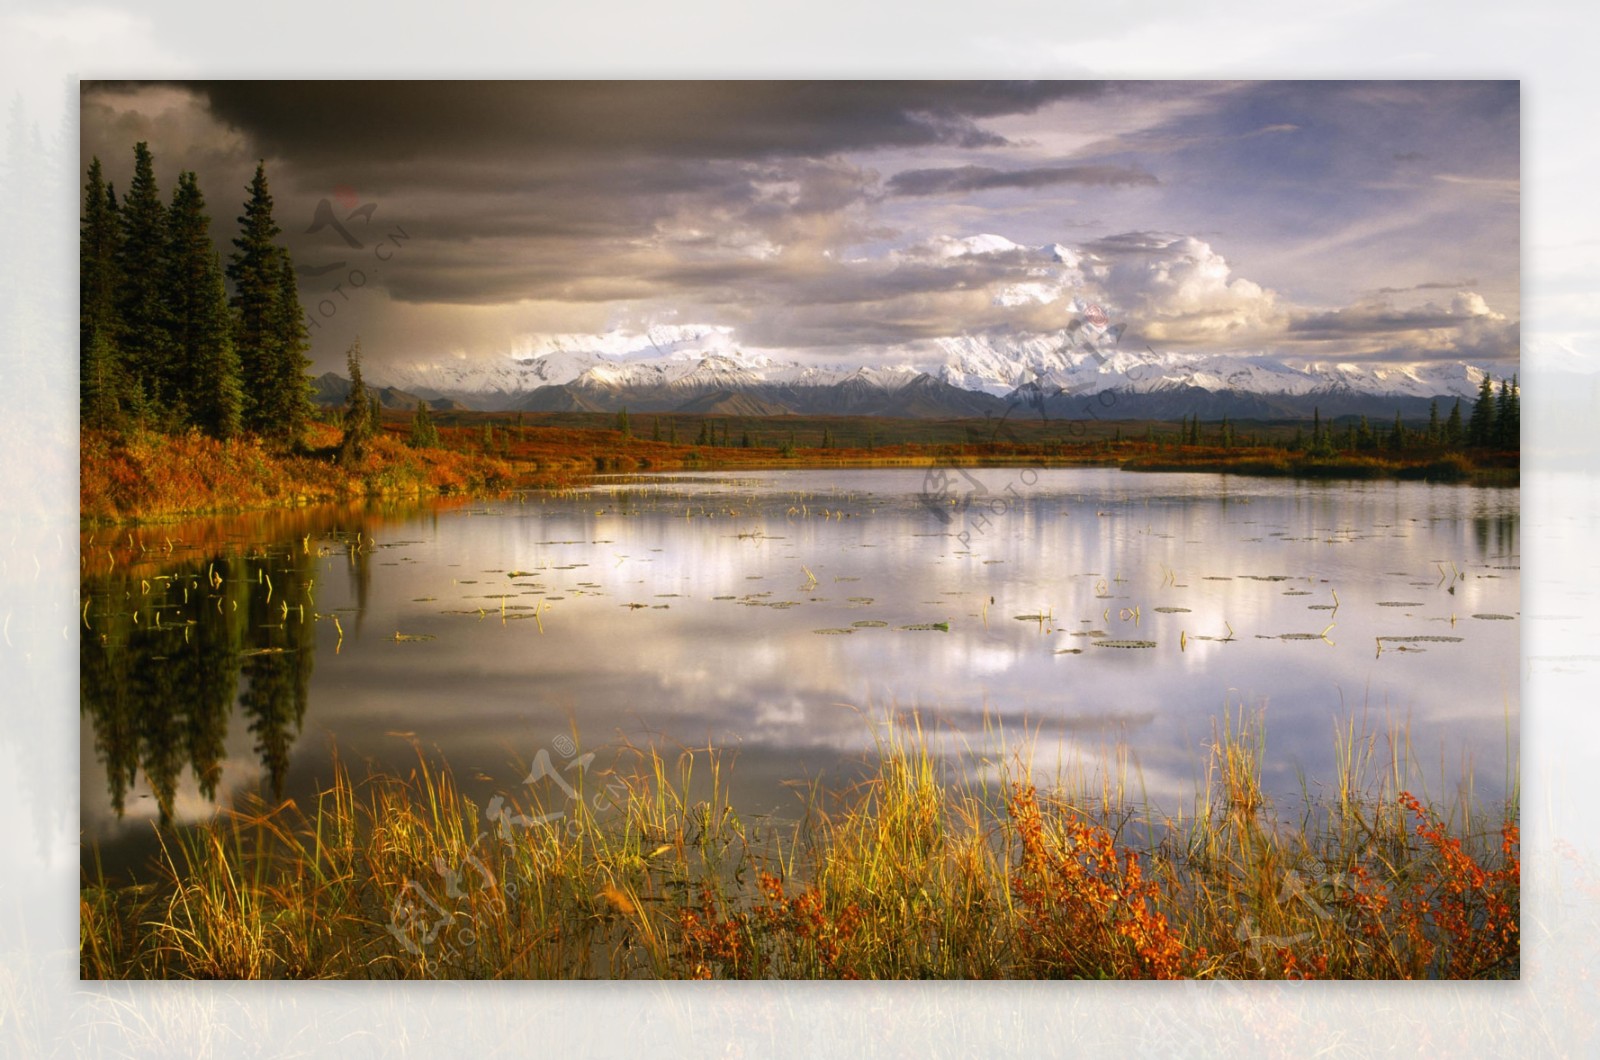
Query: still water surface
[{"x": 1106, "y": 615}]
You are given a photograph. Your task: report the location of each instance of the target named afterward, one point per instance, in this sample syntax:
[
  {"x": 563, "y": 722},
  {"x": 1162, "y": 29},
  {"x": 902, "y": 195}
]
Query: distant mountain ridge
[
  {"x": 701, "y": 369},
  {"x": 331, "y": 388}
]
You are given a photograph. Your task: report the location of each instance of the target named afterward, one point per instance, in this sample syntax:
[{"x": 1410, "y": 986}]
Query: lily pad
[
  {"x": 869, "y": 623},
  {"x": 1171, "y": 610},
  {"x": 1424, "y": 639},
  {"x": 1125, "y": 644},
  {"x": 832, "y": 631},
  {"x": 1499, "y": 618}
]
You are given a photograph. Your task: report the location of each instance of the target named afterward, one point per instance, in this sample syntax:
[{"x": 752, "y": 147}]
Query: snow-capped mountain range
[{"x": 666, "y": 367}]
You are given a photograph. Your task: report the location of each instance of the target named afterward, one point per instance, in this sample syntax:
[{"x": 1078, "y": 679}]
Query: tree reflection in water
[{"x": 165, "y": 658}]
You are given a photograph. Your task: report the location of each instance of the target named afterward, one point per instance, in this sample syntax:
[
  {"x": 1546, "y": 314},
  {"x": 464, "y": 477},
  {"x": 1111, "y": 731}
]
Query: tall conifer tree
[
  {"x": 357, "y": 411},
  {"x": 203, "y": 374},
  {"x": 291, "y": 397},
  {"x": 144, "y": 334},
  {"x": 253, "y": 268},
  {"x": 102, "y": 381},
  {"x": 1507, "y": 417},
  {"x": 1480, "y": 428},
  {"x": 1453, "y": 433}
]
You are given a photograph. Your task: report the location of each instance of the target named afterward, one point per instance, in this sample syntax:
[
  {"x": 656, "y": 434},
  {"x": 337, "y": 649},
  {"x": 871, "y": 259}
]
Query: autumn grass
[
  {"x": 1429, "y": 463},
  {"x": 149, "y": 476},
  {"x": 650, "y": 872}
]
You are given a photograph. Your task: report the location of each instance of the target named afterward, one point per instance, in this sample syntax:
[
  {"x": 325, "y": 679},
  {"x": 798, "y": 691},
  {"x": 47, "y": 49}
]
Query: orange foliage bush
[
  {"x": 1461, "y": 914},
  {"x": 146, "y": 475},
  {"x": 1087, "y": 910},
  {"x": 781, "y": 935}
]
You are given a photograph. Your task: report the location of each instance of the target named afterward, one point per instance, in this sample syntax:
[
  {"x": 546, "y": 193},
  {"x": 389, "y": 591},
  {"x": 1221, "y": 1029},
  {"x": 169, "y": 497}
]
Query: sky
[{"x": 856, "y": 222}]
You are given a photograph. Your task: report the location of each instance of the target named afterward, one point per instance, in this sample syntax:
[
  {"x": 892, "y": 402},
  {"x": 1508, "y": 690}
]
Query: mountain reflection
[{"x": 165, "y": 659}]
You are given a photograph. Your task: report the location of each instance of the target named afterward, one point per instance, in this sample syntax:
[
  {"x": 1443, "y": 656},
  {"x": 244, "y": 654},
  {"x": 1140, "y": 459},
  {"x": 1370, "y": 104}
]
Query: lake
[{"x": 1103, "y": 619}]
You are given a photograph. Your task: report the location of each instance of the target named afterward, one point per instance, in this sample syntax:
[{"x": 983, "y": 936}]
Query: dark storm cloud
[
  {"x": 401, "y": 121},
  {"x": 1466, "y": 330},
  {"x": 1433, "y": 285},
  {"x": 1370, "y": 320},
  {"x": 1347, "y": 322},
  {"x": 841, "y": 215},
  {"x": 858, "y": 284},
  {"x": 1131, "y": 244},
  {"x": 961, "y": 179}
]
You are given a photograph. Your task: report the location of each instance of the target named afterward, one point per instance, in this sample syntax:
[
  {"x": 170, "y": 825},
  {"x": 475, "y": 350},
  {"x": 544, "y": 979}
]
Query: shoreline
[{"x": 154, "y": 480}]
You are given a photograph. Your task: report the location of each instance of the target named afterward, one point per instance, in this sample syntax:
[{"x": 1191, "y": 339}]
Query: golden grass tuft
[{"x": 650, "y": 873}]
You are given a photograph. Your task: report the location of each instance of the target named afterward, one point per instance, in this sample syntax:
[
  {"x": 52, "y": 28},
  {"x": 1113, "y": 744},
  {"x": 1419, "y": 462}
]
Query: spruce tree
[
  {"x": 204, "y": 378},
  {"x": 102, "y": 387},
  {"x": 623, "y": 426},
  {"x": 1507, "y": 417},
  {"x": 1434, "y": 429},
  {"x": 270, "y": 331},
  {"x": 1480, "y": 428},
  {"x": 144, "y": 335},
  {"x": 1397, "y": 434},
  {"x": 1452, "y": 426},
  {"x": 290, "y": 403},
  {"x": 1514, "y": 416},
  {"x": 253, "y": 270},
  {"x": 424, "y": 435},
  {"x": 357, "y": 411}
]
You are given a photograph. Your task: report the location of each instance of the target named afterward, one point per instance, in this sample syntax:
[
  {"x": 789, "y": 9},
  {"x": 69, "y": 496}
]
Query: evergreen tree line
[
  {"x": 1495, "y": 422},
  {"x": 165, "y": 341}
]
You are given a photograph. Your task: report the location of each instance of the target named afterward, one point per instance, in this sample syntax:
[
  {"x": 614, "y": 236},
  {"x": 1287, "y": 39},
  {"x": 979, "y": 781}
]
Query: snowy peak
[
  {"x": 1088, "y": 359},
  {"x": 680, "y": 362}
]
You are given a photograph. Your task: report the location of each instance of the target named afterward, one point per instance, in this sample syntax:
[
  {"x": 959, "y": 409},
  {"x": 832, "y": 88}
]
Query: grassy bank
[
  {"x": 147, "y": 476},
  {"x": 1432, "y": 465},
  {"x": 568, "y": 449},
  {"x": 153, "y": 477},
  {"x": 651, "y": 873}
]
